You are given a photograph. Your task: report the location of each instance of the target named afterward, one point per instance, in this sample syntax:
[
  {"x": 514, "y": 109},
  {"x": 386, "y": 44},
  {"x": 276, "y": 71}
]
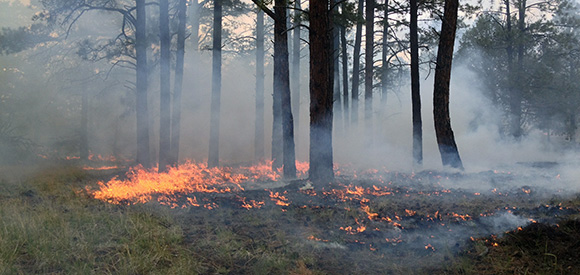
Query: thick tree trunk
[
  {"x": 442, "y": 121},
  {"x": 415, "y": 91},
  {"x": 213, "y": 157},
  {"x": 259, "y": 124},
  {"x": 369, "y": 54},
  {"x": 296, "y": 90},
  {"x": 84, "y": 141},
  {"x": 143, "y": 157},
  {"x": 321, "y": 95},
  {"x": 165, "y": 89},
  {"x": 178, "y": 84},
  {"x": 356, "y": 65},
  {"x": 277, "y": 132},
  {"x": 344, "y": 55},
  {"x": 282, "y": 88}
]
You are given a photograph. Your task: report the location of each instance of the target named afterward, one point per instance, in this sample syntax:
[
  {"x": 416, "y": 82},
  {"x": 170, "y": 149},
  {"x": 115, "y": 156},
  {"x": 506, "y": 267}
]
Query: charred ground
[{"x": 372, "y": 222}]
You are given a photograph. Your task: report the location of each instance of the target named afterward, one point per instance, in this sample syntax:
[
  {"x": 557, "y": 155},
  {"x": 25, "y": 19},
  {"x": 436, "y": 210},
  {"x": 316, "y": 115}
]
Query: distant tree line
[{"x": 527, "y": 57}]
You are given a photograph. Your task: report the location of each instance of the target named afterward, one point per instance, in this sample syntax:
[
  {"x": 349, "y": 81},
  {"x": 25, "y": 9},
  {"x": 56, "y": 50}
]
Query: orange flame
[
  {"x": 189, "y": 177},
  {"x": 279, "y": 199}
]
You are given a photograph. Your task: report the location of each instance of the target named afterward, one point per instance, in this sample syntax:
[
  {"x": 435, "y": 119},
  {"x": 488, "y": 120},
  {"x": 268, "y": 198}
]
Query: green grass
[{"x": 48, "y": 225}]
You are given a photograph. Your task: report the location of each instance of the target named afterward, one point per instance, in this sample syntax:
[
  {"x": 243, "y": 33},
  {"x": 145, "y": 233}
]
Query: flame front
[{"x": 189, "y": 177}]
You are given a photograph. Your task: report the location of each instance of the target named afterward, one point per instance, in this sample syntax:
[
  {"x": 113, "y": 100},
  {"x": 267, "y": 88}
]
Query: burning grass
[{"x": 236, "y": 220}]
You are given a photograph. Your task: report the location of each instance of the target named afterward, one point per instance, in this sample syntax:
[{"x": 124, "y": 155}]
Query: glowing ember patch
[
  {"x": 279, "y": 199},
  {"x": 370, "y": 214},
  {"x": 251, "y": 203},
  {"x": 101, "y": 168},
  {"x": 461, "y": 217},
  {"x": 350, "y": 230},
  {"x": 410, "y": 212}
]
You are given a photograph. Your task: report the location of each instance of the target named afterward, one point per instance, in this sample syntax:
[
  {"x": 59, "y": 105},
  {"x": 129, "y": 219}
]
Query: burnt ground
[{"x": 522, "y": 220}]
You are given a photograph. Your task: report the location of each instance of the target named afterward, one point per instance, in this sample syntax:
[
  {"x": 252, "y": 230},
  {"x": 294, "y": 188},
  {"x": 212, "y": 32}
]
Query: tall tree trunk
[
  {"x": 178, "y": 84},
  {"x": 335, "y": 67},
  {"x": 442, "y": 121},
  {"x": 415, "y": 91},
  {"x": 514, "y": 116},
  {"x": 369, "y": 54},
  {"x": 321, "y": 94},
  {"x": 165, "y": 89},
  {"x": 296, "y": 94},
  {"x": 84, "y": 141},
  {"x": 344, "y": 55},
  {"x": 213, "y": 158},
  {"x": 516, "y": 95},
  {"x": 143, "y": 157},
  {"x": 277, "y": 131},
  {"x": 259, "y": 125},
  {"x": 356, "y": 65},
  {"x": 282, "y": 88},
  {"x": 385, "y": 57}
]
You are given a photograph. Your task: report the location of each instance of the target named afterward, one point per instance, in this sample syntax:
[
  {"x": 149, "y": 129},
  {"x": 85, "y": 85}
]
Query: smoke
[
  {"x": 112, "y": 124},
  {"x": 474, "y": 120}
]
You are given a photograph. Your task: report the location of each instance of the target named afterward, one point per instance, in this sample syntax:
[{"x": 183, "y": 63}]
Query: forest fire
[{"x": 378, "y": 209}]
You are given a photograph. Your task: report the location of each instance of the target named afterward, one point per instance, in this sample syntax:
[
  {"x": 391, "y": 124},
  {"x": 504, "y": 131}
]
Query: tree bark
[
  {"x": 259, "y": 124},
  {"x": 369, "y": 54},
  {"x": 165, "y": 89},
  {"x": 178, "y": 84},
  {"x": 335, "y": 66},
  {"x": 213, "y": 158},
  {"x": 277, "y": 131},
  {"x": 282, "y": 88},
  {"x": 385, "y": 58},
  {"x": 415, "y": 90},
  {"x": 321, "y": 94},
  {"x": 142, "y": 113},
  {"x": 356, "y": 65},
  {"x": 296, "y": 90},
  {"x": 344, "y": 54},
  {"x": 442, "y": 121}
]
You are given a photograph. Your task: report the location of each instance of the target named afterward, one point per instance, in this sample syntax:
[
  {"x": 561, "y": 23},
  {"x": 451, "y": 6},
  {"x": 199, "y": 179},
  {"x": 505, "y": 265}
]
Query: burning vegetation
[{"x": 373, "y": 214}]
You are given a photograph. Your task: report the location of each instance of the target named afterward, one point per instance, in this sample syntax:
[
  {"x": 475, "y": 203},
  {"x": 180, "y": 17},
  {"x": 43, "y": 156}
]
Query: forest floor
[{"x": 373, "y": 222}]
